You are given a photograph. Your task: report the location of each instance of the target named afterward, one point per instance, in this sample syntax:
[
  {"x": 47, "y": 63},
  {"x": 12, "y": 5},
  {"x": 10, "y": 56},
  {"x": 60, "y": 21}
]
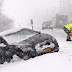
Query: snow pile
[
  {"x": 54, "y": 62},
  {"x": 41, "y": 49}
]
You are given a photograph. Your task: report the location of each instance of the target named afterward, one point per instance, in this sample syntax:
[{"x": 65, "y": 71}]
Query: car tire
[
  {"x": 2, "y": 61},
  {"x": 9, "y": 59},
  {"x": 26, "y": 57}
]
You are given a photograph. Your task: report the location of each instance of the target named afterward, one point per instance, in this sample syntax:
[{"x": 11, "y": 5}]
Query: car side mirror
[{"x": 39, "y": 32}]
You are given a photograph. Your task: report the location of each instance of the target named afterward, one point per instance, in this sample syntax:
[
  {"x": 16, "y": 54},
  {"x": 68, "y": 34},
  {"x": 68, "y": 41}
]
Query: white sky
[{"x": 23, "y": 10}]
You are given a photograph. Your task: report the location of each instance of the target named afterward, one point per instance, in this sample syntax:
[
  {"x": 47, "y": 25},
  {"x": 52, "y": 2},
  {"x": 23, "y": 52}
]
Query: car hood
[{"x": 31, "y": 42}]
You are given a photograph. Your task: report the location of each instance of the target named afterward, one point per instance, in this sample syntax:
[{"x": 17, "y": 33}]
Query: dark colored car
[
  {"x": 47, "y": 25},
  {"x": 27, "y": 43}
]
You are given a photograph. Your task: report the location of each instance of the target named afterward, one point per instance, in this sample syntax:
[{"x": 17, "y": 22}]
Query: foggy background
[{"x": 21, "y": 11}]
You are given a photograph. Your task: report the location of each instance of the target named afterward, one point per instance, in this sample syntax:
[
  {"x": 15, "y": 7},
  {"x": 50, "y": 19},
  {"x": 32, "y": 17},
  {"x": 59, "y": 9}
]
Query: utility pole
[{"x": 31, "y": 21}]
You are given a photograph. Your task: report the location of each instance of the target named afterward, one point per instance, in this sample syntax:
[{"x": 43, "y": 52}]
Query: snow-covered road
[{"x": 53, "y": 62}]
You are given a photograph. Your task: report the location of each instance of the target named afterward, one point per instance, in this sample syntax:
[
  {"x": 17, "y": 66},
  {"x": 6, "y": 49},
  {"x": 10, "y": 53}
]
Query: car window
[
  {"x": 23, "y": 32},
  {"x": 19, "y": 35},
  {"x": 26, "y": 32}
]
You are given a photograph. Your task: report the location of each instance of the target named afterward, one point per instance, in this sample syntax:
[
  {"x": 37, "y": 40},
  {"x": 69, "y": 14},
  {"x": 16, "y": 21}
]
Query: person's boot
[{"x": 68, "y": 38}]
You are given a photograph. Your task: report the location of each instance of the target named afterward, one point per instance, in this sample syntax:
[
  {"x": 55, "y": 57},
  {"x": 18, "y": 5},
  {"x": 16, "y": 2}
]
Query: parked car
[{"x": 26, "y": 43}]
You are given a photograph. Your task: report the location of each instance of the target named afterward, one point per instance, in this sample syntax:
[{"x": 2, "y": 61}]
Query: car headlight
[
  {"x": 47, "y": 50},
  {"x": 51, "y": 25},
  {"x": 45, "y": 42}
]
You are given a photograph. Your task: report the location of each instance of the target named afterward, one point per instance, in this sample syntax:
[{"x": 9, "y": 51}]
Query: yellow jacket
[{"x": 68, "y": 26}]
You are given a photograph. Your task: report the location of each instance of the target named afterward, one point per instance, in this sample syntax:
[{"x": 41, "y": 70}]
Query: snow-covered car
[{"x": 27, "y": 43}]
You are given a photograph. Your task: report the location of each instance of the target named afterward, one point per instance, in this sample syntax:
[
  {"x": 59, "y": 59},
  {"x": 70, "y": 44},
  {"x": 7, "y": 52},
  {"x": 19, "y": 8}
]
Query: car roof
[{"x": 12, "y": 31}]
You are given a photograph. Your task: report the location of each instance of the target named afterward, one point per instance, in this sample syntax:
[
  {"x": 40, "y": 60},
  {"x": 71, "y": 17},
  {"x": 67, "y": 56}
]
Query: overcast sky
[{"x": 24, "y": 10}]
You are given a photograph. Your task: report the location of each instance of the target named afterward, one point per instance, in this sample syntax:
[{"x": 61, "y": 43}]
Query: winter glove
[{"x": 70, "y": 33}]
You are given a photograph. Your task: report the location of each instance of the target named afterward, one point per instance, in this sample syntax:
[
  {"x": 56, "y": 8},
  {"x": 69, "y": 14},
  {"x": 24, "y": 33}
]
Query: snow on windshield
[{"x": 18, "y": 36}]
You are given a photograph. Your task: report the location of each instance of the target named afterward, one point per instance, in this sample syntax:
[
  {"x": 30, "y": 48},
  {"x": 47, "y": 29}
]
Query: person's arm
[{"x": 66, "y": 30}]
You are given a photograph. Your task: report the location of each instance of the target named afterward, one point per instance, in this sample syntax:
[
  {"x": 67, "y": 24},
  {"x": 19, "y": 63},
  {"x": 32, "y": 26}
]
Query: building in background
[{"x": 61, "y": 20}]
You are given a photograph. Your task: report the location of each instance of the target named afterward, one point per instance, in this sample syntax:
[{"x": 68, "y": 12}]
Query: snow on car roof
[{"x": 10, "y": 31}]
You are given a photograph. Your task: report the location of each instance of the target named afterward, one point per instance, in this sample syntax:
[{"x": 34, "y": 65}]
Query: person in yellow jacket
[{"x": 68, "y": 30}]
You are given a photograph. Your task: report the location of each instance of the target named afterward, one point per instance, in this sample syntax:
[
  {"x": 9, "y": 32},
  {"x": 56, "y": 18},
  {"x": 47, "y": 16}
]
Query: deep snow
[{"x": 53, "y": 62}]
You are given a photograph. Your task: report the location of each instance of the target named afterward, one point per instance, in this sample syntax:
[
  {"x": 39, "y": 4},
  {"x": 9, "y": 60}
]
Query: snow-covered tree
[{"x": 5, "y": 22}]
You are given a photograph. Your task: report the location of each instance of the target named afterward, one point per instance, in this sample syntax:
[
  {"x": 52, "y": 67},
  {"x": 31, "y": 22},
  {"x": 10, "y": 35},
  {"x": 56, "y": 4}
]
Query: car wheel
[
  {"x": 47, "y": 50},
  {"x": 9, "y": 59},
  {"x": 33, "y": 54},
  {"x": 2, "y": 61},
  {"x": 26, "y": 57}
]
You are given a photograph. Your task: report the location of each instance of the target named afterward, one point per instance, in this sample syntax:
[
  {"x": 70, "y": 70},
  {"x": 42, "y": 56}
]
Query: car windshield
[{"x": 18, "y": 36}]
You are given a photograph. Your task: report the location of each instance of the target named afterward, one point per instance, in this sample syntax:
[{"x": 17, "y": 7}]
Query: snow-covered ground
[{"x": 53, "y": 62}]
